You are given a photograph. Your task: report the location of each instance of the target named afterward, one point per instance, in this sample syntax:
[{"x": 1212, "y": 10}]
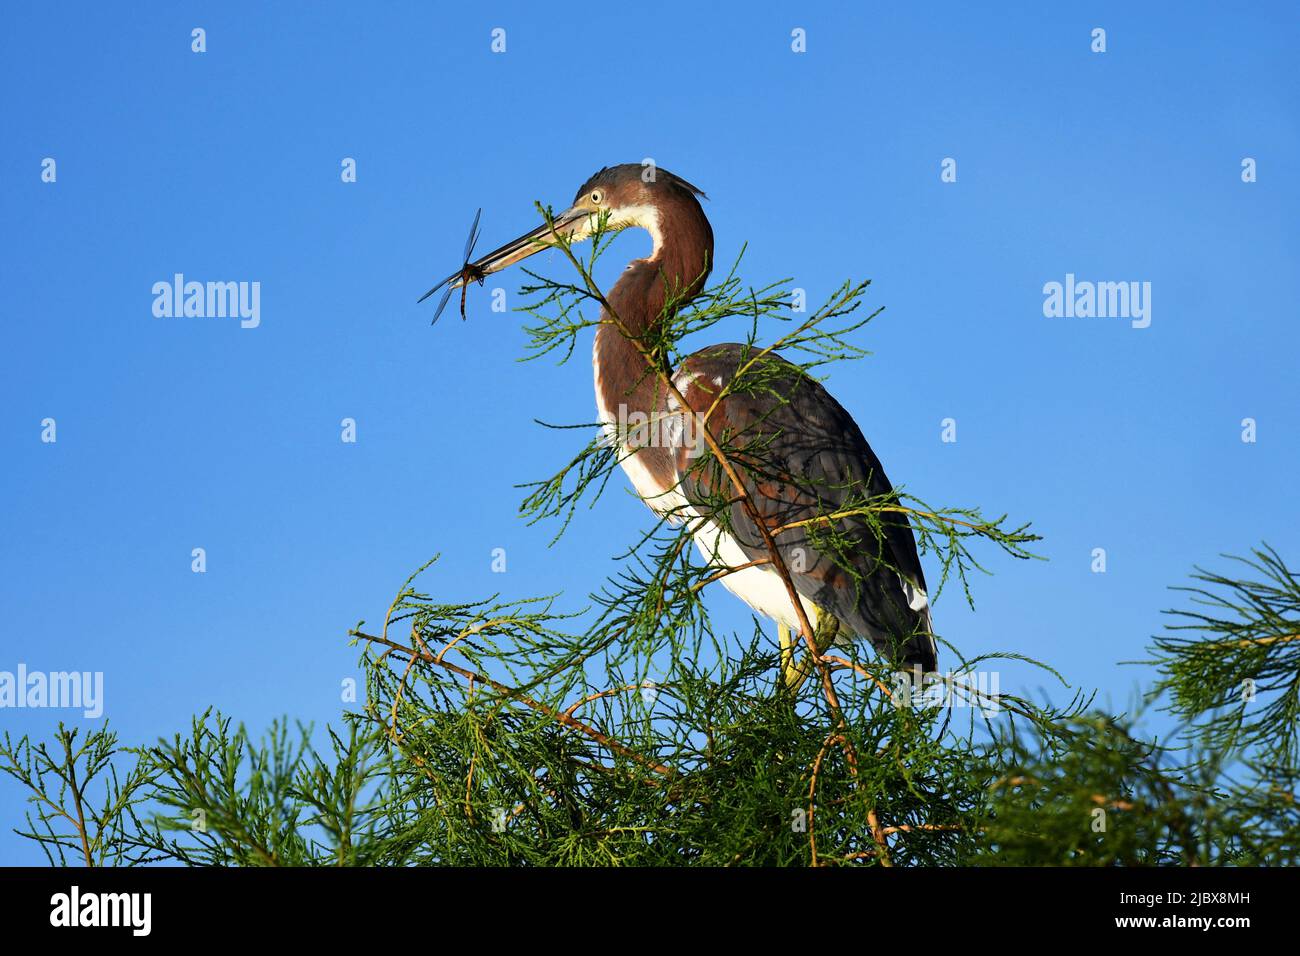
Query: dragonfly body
[{"x": 469, "y": 272}]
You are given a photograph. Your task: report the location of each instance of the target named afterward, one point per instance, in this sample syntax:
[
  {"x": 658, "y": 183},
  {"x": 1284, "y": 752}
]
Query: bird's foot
[{"x": 795, "y": 671}]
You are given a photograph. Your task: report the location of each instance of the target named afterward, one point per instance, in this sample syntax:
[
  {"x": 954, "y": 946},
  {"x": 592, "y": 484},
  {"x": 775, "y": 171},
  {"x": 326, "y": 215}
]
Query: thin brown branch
[
  {"x": 880, "y": 509},
  {"x": 76, "y": 801},
  {"x": 612, "y": 692},
  {"x": 728, "y": 571}
]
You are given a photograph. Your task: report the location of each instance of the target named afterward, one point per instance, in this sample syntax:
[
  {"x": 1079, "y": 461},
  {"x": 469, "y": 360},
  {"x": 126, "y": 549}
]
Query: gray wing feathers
[{"x": 809, "y": 458}]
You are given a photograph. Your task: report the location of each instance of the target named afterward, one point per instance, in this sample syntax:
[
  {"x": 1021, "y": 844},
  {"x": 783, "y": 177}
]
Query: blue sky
[{"x": 177, "y": 433}]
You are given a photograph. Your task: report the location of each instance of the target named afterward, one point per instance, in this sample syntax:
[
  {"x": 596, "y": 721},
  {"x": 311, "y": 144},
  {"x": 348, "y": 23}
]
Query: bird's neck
[{"x": 627, "y": 381}]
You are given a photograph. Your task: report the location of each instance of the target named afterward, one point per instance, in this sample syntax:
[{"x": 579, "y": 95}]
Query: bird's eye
[{"x": 597, "y": 196}]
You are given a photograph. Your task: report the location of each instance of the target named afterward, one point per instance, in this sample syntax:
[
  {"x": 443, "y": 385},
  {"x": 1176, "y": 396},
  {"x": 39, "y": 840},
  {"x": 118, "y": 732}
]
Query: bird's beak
[{"x": 573, "y": 224}]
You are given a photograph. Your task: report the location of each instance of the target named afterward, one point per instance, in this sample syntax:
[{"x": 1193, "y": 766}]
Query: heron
[{"x": 815, "y": 459}]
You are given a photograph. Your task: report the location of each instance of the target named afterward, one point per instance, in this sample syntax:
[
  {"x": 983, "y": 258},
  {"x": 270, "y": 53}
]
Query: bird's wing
[{"x": 801, "y": 457}]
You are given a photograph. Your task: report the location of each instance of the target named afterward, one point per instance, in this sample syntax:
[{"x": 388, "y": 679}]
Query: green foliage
[
  {"x": 512, "y": 732},
  {"x": 1088, "y": 793},
  {"x": 1237, "y": 676},
  {"x": 709, "y": 765},
  {"x": 82, "y": 812}
]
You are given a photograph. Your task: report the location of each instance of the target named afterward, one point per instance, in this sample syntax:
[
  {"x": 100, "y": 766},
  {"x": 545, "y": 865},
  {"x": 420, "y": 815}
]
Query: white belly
[{"x": 759, "y": 587}]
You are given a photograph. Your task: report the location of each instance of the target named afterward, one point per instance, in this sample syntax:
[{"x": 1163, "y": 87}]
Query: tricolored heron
[{"x": 815, "y": 460}]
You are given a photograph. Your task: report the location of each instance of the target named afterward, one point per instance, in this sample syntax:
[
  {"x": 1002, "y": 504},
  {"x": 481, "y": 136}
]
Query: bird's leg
[
  {"x": 787, "y": 653},
  {"x": 824, "y": 633}
]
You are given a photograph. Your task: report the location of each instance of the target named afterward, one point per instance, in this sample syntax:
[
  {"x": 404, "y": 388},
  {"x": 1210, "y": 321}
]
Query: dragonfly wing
[
  {"x": 442, "y": 303},
  {"x": 473, "y": 236}
]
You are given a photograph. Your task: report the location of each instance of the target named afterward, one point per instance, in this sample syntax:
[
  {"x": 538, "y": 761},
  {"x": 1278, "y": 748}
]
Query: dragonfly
[{"x": 469, "y": 272}]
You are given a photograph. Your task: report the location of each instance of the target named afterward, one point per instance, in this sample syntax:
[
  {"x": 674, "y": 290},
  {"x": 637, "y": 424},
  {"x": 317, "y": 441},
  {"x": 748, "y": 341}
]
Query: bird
[{"x": 804, "y": 456}]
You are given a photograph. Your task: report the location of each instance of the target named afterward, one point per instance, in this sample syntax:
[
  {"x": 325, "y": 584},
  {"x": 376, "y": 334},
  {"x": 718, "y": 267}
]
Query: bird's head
[{"x": 628, "y": 195}]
